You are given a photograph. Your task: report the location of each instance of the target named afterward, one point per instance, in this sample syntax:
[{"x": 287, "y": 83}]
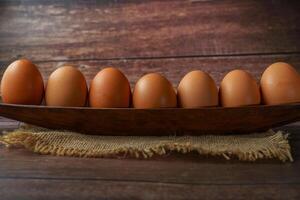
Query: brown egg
[
  {"x": 66, "y": 86},
  {"x": 197, "y": 89},
  {"x": 280, "y": 83},
  {"x": 110, "y": 89},
  {"x": 22, "y": 83},
  {"x": 154, "y": 91},
  {"x": 239, "y": 88}
]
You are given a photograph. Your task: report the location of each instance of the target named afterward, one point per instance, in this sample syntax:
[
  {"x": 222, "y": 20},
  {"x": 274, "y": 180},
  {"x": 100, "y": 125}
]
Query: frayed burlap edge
[{"x": 250, "y": 147}]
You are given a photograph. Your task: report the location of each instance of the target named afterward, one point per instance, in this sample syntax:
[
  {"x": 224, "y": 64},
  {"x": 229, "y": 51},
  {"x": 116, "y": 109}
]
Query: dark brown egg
[
  {"x": 239, "y": 88},
  {"x": 197, "y": 89},
  {"x": 154, "y": 91},
  {"x": 22, "y": 83},
  {"x": 280, "y": 83},
  {"x": 66, "y": 86},
  {"x": 110, "y": 89}
]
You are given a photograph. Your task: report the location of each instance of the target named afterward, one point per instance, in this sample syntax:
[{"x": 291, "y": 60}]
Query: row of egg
[{"x": 22, "y": 83}]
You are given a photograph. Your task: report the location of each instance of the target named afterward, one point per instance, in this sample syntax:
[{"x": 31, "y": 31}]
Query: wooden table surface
[{"x": 170, "y": 37}]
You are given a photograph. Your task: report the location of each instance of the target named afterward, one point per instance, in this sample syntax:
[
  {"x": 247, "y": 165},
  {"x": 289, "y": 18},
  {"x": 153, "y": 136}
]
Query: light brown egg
[
  {"x": 66, "y": 87},
  {"x": 22, "y": 83},
  {"x": 154, "y": 91},
  {"x": 280, "y": 83},
  {"x": 239, "y": 88},
  {"x": 110, "y": 89},
  {"x": 197, "y": 89}
]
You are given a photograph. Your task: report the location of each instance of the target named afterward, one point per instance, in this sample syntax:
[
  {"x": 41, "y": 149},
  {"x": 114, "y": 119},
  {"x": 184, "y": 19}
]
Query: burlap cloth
[{"x": 249, "y": 147}]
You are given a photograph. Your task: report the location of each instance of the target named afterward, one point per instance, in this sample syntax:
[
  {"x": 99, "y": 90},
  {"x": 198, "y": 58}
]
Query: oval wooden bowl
[{"x": 167, "y": 121}]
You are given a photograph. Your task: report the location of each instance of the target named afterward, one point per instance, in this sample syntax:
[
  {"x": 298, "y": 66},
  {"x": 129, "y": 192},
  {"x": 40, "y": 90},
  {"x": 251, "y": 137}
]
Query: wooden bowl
[{"x": 166, "y": 121}]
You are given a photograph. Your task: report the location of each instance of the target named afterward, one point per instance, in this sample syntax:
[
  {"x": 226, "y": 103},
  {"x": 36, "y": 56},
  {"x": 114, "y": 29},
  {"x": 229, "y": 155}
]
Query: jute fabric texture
[{"x": 251, "y": 147}]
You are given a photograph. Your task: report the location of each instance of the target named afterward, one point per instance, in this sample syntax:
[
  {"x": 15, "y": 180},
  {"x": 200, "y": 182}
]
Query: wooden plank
[
  {"x": 173, "y": 68},
  {"x": 174, "y": 168},
  {"x": 62, "y": 30},
  {"x": 188, "y": 169},
  {"x": 30, "y": 176},
  {"x": 8, "y": 124},
  {"x": 82, "y": 189}
]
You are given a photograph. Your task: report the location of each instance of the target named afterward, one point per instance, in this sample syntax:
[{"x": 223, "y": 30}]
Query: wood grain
[
  {"x": 170, "y": 37},
  {"x": 32, "y": 176},
  {"x": 8, "y": 124},
  {"x": 171, "y": 169},
  {"x": 64, "y": 30},
  {"x": 82, "y": 189},
  {"x": 173, "y": 68},
  {"x": 162, "y": 121}
]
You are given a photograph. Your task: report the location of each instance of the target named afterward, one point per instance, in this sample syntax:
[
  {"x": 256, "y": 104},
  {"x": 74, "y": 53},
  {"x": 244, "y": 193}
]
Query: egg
[
  {"x": 22, "y": 83},
  {"x": 110, "y": 89},
  {"x": 66, "y": 87},
  {"x": 154, "y": 91},
  {"x": 239, "y": 88},
  {"x": 197, "y": 89},
  {"x": 280, "y": 83}
]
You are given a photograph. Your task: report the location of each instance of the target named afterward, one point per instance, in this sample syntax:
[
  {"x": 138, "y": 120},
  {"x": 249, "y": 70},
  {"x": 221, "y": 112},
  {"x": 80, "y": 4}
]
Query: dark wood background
[{"x": 170, "y": 37}]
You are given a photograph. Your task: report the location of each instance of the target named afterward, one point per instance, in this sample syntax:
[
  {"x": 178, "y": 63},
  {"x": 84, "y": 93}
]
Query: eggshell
[
  {"x": 66, "y": 86},
  {"x": 197, "y": 89},
  {"x": 280, "y": 83},
  {"x": 22, "y": 83},
  {"x": 239, "y": 88},
  {"x": 110, "y": 89},
  {"x": 154, "y": 91}
]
